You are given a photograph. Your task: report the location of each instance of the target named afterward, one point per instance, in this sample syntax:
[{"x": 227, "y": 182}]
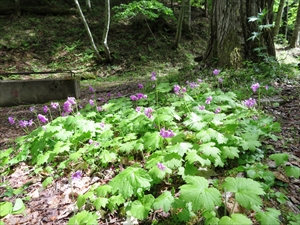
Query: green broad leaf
[
  {"x": 218, "y": 119},
  {"x": 103, "y": 190},
  {"x": 140, "y": 208},
  {"x": 127, "y": 147},
  {"x": 63, "y": 134},
  {"x": 188, "y": 170},
  {"x": 152, "y": 141},
  {"x": 235, "y": 219},
  {"x": 154, "y": 158},
  {"x": 209, "y": 149},
  {"x": 250, "y": 141},
  {"x": 292, "y": 171},
  {"x": 195, "y": 122},
  {"x": 100, "y": 202},
  {"x": 61, "y": 147},
  {"x": 157, "y": 174},
  {"x": 107, "y": 157},
  {"x": 76, "y": 155},
  {"x": 114, "y": 201},
  {"x": 229, "y": 152},
  {"x": 269, "y": 217},
  {"x": 209, "y": 134},
  {"x": 47, "y": 181},
  {"x": 172, "y": 160},
  {"x": 279, "y": 158},
  {"x": 84, "y": 218},
  {"x": 159, "y": 119},
  {"x": 129, "y": 137},
  {"x": 246, "y": 191},
  {"x": 188, "y": 98},
  {"x": 192, "y": 156},
  {"x": 80, "y": 201},
  {"x": 197, "y": 192},
  {"x": 164, "y": 201},
  {"x": 130, "y": 180},
  {"x": 91, "y": 114},
  {"x": 43, "y": 158},
  {"x": 180, "y": 148},
  {"x": 164, "y": 87},
  {"x": 210, "y": 217},
  {"x": 19, "y": 207},
  {"x": 5, "y": 208}
]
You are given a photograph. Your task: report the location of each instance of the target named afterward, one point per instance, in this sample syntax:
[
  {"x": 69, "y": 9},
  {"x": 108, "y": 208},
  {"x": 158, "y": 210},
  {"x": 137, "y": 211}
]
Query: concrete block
[{"x": 22, "y": 92}]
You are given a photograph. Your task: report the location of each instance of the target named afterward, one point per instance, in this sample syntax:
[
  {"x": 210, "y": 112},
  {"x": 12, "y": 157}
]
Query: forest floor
[{"x": 42, "y": 43}]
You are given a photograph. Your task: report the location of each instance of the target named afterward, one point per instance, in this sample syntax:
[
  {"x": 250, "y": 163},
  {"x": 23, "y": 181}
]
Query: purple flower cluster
[
  {"x": 140, "y": 86},
  {"x": 153, "y": 76},
  {"x": 77, "y": 175},
  {"x": 91, "y": 89},
  {"x": 148, "y": 112},
  {"x": 250, "y": 103},
  {"x": 218, "y": 110},
  {"x": 138, "y": 96},
  {"x": 208, "y": 100},
  {"x": 161, "y": 166},
  {"x": 192, "y": 84},
  {"x": 68, "y": 105},
  {"x": 216, "y": 72},
  {"x": 45, "y": 109},
  {"x": 254, "y": 87},
  {"x": 54, "y": 105},
  {"x": 91, "y": 102},
  {"x": 11, "y": 120},
  {"x": 177, "y": 89},
  {"x": 24, "y": 123},
  {"x": 166, "y": 133},
  {"x": 42, "y": 118},
  {"x": 201, "y": 107}
]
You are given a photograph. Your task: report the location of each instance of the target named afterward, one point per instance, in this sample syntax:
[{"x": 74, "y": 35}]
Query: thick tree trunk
[
  {"x": 278, "y": 17},
  {"x": 295, "y": 36},
  {"x": 230, "y": 30}
]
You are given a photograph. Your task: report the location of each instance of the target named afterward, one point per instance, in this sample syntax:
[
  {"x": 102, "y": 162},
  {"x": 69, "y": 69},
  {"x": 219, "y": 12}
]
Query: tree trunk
[
  {"x": 179, "y": 24},
  {"x": 88, "y": 31},
  {"x": 89, "y": 5},
  {"x": 278, "y": 17},
  {"x": 18, "y": 8},
  {"x": 188, "y": 13},
  {"x": 106, "y": 30},
  {"x": 229, "y": 44},
  {"x": 295, "y": 36},
  {"x": 206, "y": 8}
]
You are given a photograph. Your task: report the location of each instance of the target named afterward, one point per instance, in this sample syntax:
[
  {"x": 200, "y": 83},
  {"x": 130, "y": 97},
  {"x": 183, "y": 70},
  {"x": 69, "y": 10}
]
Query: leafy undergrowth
[{"x": 170, "y": 148}]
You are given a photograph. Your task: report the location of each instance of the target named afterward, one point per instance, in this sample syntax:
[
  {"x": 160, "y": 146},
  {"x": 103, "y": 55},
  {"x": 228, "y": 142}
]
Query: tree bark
[
  {"x": 179, "y": 24},
  {"x": 278, "y": 17},
  {"x": 106, "y": 30},
  {"x": 18, "y": 8},
  {"x": 295, "y": 36},
  {"x": 99, "y": 58},
  {"x": 229, "y": 44}
]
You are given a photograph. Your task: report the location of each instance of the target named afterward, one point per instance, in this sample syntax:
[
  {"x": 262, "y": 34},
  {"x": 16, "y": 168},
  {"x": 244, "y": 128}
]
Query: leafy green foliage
[
  {"x": 131, "y": 181},
  {"x": 269, "y": 217},
  {"x": 150, "y": 9},
  {"x": 235, "y": 219},
  {"x": 279, "y": 158},
  {"x": 199, "y": 194},
  {"x": 246, "y": 191},
  {"x": 152, "y": 171}
]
